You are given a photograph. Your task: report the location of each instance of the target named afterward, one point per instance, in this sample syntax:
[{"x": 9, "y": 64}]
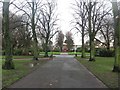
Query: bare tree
[
  {"x": 21, "y": 36},
  {"x": 91, "y": 15},
  {"x": 107, "y": 32},
  {"x": 96, "y": 12},
  {"x": 80, "y": 15},
  {"x": 32, "y": 11},
  {"x": 60, "y": 40},
  {"x": 34, "y": 32},
  {"x": 48, "y": 23}
]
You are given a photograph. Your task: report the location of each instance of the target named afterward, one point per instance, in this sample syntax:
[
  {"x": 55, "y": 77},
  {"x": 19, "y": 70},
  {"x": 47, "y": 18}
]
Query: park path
[{"x": 62, "y": 72}]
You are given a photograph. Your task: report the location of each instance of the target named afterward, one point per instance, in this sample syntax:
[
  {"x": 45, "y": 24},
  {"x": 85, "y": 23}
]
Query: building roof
[{"x": 64, "y": 43}]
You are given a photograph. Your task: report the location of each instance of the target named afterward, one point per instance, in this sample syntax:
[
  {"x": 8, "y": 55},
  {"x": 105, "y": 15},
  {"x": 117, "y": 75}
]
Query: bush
[
  {"x": 97, "y": 51},
  {"x": 28, "y": 52},
  {"x": 41, "y": 50},
  {"x": 79, "y": 49},
  {"x": 17, "y": 52},
  {"x": 71, "y": 50},
  {"x": 56, "y": 49},
  {"x": 87, "y": 50},
  {"x": 105, "y": 53}
]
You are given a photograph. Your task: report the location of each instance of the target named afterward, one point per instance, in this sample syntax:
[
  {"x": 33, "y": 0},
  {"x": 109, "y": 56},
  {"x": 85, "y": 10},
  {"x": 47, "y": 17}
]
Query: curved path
[{"x": 62, "y": 72}]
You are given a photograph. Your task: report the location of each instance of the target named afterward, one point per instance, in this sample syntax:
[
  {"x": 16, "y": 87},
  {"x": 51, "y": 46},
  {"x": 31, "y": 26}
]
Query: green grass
[
  {"x": 22, "y": 68},
  {"x": 1, "y": 57},
  {"x": 0, "y": 71},
  {"x": 54, "y": 53},
  {"x": 78, "y": 53},
  {"x": 21, "y": 57},
  {"x": 102, "y": 68}
]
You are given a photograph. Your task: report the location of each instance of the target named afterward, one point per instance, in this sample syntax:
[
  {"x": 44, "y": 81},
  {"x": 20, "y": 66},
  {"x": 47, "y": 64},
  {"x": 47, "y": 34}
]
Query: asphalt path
[{"x": 64, "y": 71}]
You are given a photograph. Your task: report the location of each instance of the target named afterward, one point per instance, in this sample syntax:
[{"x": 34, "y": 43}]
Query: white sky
[{"x": 65, "y": 16}]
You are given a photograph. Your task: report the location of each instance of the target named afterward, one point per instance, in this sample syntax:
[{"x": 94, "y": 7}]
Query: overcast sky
[{"x": 65, "y": 16}]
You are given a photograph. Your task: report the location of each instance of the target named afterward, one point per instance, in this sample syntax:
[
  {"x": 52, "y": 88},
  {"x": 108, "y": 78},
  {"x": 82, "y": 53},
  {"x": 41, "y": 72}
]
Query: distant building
[
  {"x": 64, "y": 49},
  {"x": 76, "y": 46}
]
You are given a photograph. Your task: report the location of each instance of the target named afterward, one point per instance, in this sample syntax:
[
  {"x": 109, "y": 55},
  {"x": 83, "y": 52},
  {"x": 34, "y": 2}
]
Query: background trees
[
  {"x": 107, "y": 31},
  {"x": 20, "y": 32},
  {"x": 21, "y": 36},
  {"x": 48, "y": 23},
  {"x": 91, "y": 14},
  {"x": 30, "y": 22},
  {"x": 96, "y": 13},
  {"x": 31, "y": 11},
  {"x": 69, "y": 40},
  {"x": 60, "y": 40},
  {"x": 80, "y": 15}
]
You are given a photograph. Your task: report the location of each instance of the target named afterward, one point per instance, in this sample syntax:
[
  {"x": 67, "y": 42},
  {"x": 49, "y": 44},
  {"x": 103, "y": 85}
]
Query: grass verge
[
  {"x": 102, "y": 69},
  {"x": 22, "y": 57},
  {"x": 78, "y": 53},
  {"x": 54, "y": 53},
  {"x": 22, "y": 68}
]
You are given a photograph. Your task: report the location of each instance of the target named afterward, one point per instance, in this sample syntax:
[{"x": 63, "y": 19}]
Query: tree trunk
[
  {"x": 92, "y": 48},
  {"x": 8, "y": 46},
  {"x": 116, "y": 67},
  {"x": 118, "y": 45},
  {"x": 46, "y": 53},
  {"x": 35, "y": 47},
  {"x": 61, "y": 48},
  {"x": 91, "y": 36},
  {"x": 35, "y": 57},
  {"x": 83, "y": 45},
  {"x": 46, "y": 49},
  {"x": 108, "y": 41},
  {"x": 108, "y": 46}
]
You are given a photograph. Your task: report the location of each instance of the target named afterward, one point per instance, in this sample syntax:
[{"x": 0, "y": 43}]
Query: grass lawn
[
  {"x": 78, "y": 53},
  {"x": 102, "y": 69},
  {"x": 22, "y": 68},
  {"x": 54, "y": 53},
  {"x": 21, "y": 57},
  {"x": 0, "y": 73}
]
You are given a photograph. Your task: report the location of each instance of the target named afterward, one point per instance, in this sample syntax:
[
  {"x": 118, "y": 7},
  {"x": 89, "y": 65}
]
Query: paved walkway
[{"x": 62, "y": 72}]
